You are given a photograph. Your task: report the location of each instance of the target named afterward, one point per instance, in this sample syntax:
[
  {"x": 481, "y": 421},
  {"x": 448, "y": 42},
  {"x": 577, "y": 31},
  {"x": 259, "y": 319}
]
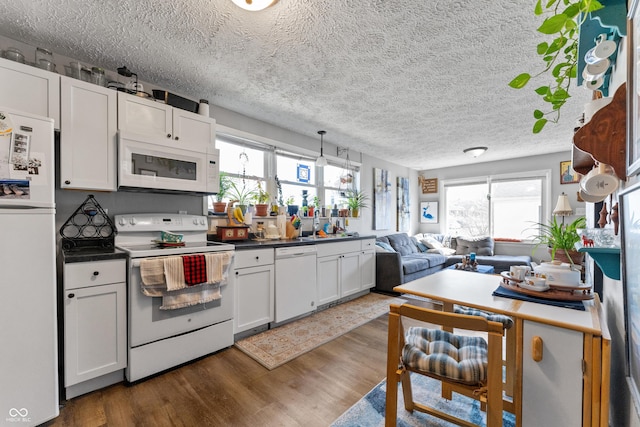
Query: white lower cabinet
[
  {"x": 253, "y": 282},
  {"x": 95, "y": 322},
  {"x": 552, "y": 386}
]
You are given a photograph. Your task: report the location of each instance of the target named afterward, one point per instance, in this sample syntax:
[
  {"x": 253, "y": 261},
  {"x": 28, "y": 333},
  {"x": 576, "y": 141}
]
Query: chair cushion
[
  {"x": 459, "y": 358},
  {"x": 507, "y": 322}
]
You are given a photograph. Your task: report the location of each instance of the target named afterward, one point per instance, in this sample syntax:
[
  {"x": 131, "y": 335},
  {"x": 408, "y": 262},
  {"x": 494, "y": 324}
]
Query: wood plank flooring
[{"x": 231, "y": 389}]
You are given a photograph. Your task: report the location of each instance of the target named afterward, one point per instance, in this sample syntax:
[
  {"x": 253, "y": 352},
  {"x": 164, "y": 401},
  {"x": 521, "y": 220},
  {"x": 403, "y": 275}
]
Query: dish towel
[
  {"x": 152, "y": 275},
  {"x": 174, "y": 273},
  {"x": 195, "y": 269},
  {"x": 217, "y": 264}
]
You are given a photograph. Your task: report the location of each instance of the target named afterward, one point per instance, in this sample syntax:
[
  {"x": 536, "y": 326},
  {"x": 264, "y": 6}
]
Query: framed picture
[
  {"x": 629, "y": 200},
  {"x": 633, "y": 90},
  {"x": 567, "y": 174},
  {"x": 428, "y": 212}
]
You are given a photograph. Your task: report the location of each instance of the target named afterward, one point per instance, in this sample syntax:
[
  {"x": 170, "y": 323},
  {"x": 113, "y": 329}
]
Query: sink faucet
[{"x": 316, "y": 223}]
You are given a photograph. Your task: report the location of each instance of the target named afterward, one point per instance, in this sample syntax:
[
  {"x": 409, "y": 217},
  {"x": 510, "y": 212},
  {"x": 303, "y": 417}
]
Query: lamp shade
[
  {"x": 563, "y": 207},
  {"x": 254, "y": 5},
  {"x": 322, "y": 160}
]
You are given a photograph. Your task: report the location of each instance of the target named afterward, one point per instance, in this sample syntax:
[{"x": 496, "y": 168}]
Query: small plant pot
[
  {"x": 262, "y": 209},
  {"x": 355, "y": 212},
  {"x": 219, "y": 207},
  {"x": 292, "y": 210}
]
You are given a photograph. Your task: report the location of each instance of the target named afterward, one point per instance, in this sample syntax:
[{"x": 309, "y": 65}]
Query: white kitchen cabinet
[
  {"x": 253, "y": 283},
  {"x": 88, "y": 136},
  {"x": 328, "y": 282},
  {"x": 30, "y": 89},
  {"x": 180, "y": 128},
  {"x": 552, "y": 387},
  {"x": 95, "y": 322},
  {"x": 367, "y": 263}
]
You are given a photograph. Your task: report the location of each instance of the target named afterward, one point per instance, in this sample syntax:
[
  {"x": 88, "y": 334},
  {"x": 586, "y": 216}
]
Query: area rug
[
  {"x": 277, "y": 346},
  {"x": 369, "y": 411}
]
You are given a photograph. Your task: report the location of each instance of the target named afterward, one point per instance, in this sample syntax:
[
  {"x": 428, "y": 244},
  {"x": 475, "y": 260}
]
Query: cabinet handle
[
  {"x": 67, "y": 182},
  {"x": 72, "y": 295},
  {"x": 536, "y": 348},
  {"x": 168, "y": 135},
  {"x": 257, "y": 258},
  {"x": 95, "y": 273},
  {"x": 237, "y": 273}
]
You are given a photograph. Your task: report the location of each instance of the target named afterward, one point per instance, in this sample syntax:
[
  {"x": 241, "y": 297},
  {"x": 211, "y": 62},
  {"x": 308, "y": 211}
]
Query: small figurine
[{"x": 587, "y": 243}]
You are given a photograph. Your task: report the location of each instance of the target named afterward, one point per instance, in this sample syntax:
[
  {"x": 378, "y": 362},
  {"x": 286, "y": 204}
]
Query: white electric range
[{"x": 160, "y": 339}]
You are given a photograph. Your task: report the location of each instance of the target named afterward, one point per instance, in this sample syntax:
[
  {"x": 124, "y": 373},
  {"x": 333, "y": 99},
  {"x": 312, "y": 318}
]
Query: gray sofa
[{"x": 401, "y": 258}]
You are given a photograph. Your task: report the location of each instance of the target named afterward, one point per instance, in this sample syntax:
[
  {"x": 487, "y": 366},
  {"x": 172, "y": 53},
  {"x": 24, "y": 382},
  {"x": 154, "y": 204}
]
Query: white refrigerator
[{"x": 28, "y": 331}]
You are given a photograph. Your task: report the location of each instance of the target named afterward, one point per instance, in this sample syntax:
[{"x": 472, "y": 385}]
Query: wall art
[
  {"x": 567, "y": 174},
  {"x": 381, "y": 199},
  {"x": 428, "y": 212},
  {"x": 403, "y": 205}
]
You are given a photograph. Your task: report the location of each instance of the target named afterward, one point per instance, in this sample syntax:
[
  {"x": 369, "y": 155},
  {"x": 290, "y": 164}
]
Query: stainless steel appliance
[
  {"x": 160, "y": 339},
  {"x": 28, "y": 335}
]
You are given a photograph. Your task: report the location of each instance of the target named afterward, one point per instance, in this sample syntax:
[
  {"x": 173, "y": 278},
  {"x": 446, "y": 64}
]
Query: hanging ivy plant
[{"x": 560, "y": 56}]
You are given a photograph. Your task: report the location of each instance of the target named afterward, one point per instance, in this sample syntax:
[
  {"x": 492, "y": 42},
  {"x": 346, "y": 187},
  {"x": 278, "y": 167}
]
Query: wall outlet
[{"x": 581, "y": 211}]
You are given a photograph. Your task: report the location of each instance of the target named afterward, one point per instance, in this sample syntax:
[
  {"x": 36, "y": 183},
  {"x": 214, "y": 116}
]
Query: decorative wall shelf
[
  {"x": 604, "y": 138},
  {"x": 608, "y": 259}
]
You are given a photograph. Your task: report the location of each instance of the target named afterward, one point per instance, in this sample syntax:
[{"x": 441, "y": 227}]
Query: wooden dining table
[{"x": 557, "y": 359}]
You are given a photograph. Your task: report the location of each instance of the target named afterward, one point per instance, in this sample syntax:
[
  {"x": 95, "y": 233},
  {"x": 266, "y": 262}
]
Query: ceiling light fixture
[
  {"x": 475, "y": 151},
  {"x": 322, "y": 160},
  {"x": 254, "y": 5}
]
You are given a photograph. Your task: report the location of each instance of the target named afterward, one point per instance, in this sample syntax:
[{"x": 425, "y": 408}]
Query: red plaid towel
[{"x": 195, "y": 269}]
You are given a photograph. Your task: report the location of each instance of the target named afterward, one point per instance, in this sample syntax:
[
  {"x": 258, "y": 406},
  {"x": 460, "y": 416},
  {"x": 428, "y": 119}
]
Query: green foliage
[
  {"x": 558, "y": 236},
  {"x": 560, "y": 56},
  {"x": 279, "y": 187},
  {"x": 262, "y": 196},
  {"x": 240, "y": 193},
  {"x": 224, "y": 186},
  {"x": 356, "y": 199}
]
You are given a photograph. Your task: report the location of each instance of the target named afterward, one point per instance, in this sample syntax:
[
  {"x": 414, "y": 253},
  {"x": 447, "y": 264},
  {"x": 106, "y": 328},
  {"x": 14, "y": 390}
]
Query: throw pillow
[
  {"x": 385, "y": 246},
  {"x": 442, "y": 251},
  {"x": 422, "y": 247},
  {"x": 482, "y": 246},
  {"x": 432, "y": 243}
]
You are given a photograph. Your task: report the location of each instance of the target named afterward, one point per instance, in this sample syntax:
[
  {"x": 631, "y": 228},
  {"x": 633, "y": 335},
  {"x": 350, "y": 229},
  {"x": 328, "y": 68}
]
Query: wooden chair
[{"x": 483, "y": 382}]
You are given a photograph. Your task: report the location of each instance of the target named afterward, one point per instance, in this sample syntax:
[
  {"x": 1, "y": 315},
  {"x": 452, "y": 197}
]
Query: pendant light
[
  {"x": 254, "y": 5},
  {"x": 321, "y": 161}
]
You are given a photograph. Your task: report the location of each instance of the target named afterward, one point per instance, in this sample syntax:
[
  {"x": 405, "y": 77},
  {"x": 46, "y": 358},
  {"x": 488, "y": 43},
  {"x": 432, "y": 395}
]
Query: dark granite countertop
[
  {"x": 301, "y": 241},
  {"x": 92, "y": 254}
]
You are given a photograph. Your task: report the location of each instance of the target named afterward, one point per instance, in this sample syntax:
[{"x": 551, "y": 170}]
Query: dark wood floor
[{"x": 231, "y": 389}]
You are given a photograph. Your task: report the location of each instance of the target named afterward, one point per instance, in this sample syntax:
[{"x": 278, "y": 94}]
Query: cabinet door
[
  {"x": 368, "y": 269},
  {"x": 144, "y": 117},
  {"x": 328, "y": 283},
  {"x": 192, "y": 131},
  {"x": 88, "y": 136},
  {"x": 30, "y": 89},
  {"x": 254, "y": 301},
  {"x": 95, "y": 332},
  {"x": 350, "y": 273},
  {"x": 552, "y": 387}
]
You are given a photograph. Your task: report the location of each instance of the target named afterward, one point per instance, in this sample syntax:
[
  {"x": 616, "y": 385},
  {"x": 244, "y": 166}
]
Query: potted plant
[
  {"x": 240, "y": 194},
  {"x": 561, "y": 239},
  {"x": 291, "y": 208},
  {"x": 219, "y": 206},
  {"x": 356, "y": 200},
  {"x": 560, "y": 56},
  {"x": 262, "y": 201}
]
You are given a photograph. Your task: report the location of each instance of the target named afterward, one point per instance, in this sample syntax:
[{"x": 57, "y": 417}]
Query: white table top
[{"x": 475, "y": 290}]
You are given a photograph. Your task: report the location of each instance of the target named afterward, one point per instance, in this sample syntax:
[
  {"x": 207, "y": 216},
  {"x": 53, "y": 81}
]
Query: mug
[
  {"x": 537, "y": 282},
  {"x": 602, "y": 50},
  {"x": 594, "y": 84},
  {"x": 518, "y": 272},
  {"x": 593, "y": 71}
]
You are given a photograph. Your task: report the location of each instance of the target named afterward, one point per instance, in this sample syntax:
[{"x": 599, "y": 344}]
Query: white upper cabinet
[
  {"x": 88, "y": 136},
  {"x": 30, "y": 89}
]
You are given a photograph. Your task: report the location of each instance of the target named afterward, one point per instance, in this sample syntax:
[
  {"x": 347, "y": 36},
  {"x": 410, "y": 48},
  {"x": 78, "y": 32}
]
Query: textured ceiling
[{"x": 412, "y": 82}]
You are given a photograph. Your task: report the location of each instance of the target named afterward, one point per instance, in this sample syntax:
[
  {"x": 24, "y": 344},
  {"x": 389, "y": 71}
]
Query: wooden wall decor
[
  {"x": 604, "y": 138},
  {"x": 428, "y": 185}
]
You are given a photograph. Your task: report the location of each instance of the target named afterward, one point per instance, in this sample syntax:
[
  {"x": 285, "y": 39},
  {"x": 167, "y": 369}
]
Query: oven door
[
  {"x": 148, "y": 163},
  {"x": 147, "y": 323}
]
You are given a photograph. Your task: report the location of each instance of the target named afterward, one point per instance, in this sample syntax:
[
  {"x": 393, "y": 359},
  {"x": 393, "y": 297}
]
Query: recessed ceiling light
[{"x": 254, "y": 5}]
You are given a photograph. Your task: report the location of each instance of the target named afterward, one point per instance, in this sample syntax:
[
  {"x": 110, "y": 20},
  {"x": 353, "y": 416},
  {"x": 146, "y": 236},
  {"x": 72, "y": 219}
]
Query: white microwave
[{"x": 148, "y": 163}]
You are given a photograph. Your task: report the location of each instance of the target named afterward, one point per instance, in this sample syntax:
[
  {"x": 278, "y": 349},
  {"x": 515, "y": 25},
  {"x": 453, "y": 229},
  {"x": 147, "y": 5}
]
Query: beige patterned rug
[{"x": 277, "y": 346}]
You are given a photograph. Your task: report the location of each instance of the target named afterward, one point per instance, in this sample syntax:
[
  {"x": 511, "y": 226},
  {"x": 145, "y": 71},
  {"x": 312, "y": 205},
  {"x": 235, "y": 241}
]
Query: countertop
[
  {"x": 92, "y": 254},
  {"x": 300, "y": 241}
]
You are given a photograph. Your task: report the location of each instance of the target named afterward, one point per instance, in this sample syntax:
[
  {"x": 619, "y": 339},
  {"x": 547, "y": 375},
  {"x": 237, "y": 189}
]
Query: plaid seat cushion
[
  {"x": 507, "y": 322},
  {"x": 456, "y": 357}
]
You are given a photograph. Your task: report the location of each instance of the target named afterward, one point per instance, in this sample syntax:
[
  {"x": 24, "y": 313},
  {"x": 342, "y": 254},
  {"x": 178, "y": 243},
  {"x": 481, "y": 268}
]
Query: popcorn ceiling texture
[{"x": 412, "y": 82}]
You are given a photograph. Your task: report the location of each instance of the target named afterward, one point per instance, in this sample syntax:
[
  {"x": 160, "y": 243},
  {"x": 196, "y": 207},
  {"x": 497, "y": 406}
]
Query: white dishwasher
[{"x": 295, "y": 281}]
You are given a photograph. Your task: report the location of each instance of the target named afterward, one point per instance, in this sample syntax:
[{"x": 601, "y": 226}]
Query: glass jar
[
  {"x": 98, "y": 77},
  {"x": 42, "y": 53}
]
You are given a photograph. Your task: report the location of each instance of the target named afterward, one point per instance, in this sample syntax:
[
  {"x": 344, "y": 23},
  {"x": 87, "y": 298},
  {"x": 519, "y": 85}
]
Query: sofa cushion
[
  {"x": 413, "y": 264},
  {"x": 402, "y": 243},
  {"x": 432, "y": 243},
  {"x": 384, "y": 246},
  {"x": 479, "y": 245},
  {"x": 442, "y": 251}
]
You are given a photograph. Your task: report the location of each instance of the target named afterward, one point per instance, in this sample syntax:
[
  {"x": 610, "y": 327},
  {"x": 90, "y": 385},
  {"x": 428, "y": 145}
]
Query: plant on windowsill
[
  {"x": 291, "y": 208},
  {"x": 219, "y": 206},
  {"x": 356, "y": 200},
  {"x": 240, "y": 194},
  {"x": 262, "y": 201},
  {"x": 561, "y": 239},
  {"x": 560, "y": 56}
]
